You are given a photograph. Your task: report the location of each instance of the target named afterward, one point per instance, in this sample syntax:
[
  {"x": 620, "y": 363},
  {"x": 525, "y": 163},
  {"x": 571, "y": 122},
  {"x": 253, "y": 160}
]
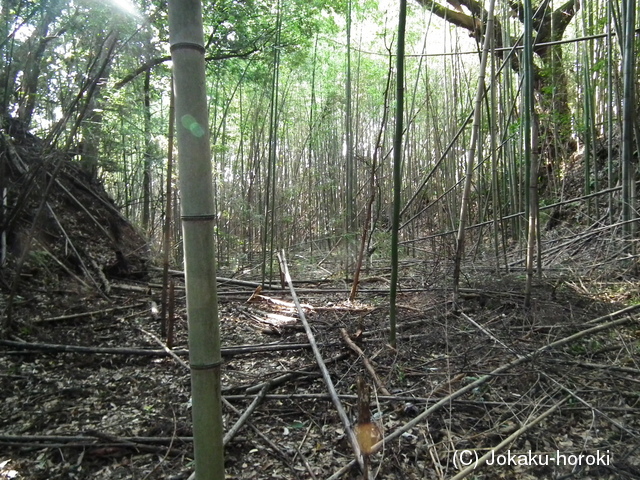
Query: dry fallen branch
[
  {"x": 170, "y": 352},
  {"x": 69, "y": 243},
  {"x": 244, "y": 420},
  {"x": 591, "y": 407},
  {"x": 143, "y": 444},
  {"x": 485, "y": 331},
  {"x": 307, "y": 370},
  {"x": 270, "y": 322},
  {"x": 57, "y": 348},
  {"x": 365, "y": 362},
  {"x": 28, "y": 439},
  {"x": 273, "y": 446},
  {"x": 613, "y": 315},
  {"x": 245, "y": 416},
  {"x": 598, "y": 366},
  {"x": 43, "y": 248},
  {"x": 277, "y": 302},
  {"x": 129, "y": 444}
]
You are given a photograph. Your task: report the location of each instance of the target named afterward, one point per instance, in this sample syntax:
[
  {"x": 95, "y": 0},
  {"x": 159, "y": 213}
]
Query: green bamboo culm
[
  {"x": 530, "y": 159},
  {"x": 397, "y": 170},
  {"x": 471, "y": 153},
  {"x": 350, "y": 173},
  {"x": 268, "y": 232},
  {"x": 196, "y": 186},
  {"x": 628, "y": 116}
]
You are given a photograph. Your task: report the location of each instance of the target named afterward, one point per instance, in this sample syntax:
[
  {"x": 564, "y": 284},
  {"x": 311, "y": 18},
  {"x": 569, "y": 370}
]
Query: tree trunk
[{"x": 33, "y": 64}]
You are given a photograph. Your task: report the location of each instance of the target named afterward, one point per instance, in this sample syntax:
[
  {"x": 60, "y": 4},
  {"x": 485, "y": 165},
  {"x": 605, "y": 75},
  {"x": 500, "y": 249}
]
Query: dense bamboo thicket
[
  {"x": 454, "y": 158},
  {"x": 301, "y": 106}
]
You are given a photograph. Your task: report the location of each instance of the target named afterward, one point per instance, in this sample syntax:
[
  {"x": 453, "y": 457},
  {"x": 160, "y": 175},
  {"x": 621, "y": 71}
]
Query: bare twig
[
  {"x": 164, "y": 347},
  {"x": 613, "y": 315},
  {"x": 93, "y": 313},
  {"x": 61, "y": 439},
  {"x": 485, "y": 331},
  {"x": 127, "y": 443},
  {"x": 60, "y": 263},
  {"x": 304, "y": 371},
  {"x": 365, "y": 361},
  {"x": 591, "y": 407},
  {"x": 163, "y": 459}
]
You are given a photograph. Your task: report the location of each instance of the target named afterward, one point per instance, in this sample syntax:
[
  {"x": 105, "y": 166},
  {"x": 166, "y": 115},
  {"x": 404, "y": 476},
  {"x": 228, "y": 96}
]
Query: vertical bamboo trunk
[
  {"x": 397, "y": 169},
  {"x": 610, "y": 169},
  {"x": 349, "y": 157},
  {"x": 3, "y": 208},
  {"x": 471, "y": 153},
  {"x": 530, "y": 136},
  {"x": 186, "y": 35},
  {"x": 311, "y": 150},
  {"x": 495, "y": 199},
  {"x": 146, "y": 171},
  {"x": 366, "y": 230},
  {"x": 167, "y": 216},
  {"x": 269, "y": 205},
  {"x": 628, "y": 117}
]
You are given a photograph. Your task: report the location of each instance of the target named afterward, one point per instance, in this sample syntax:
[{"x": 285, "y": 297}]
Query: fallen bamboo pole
[
  {"x": 323, "y": 368},
  {"x": 226, "y": 351}
]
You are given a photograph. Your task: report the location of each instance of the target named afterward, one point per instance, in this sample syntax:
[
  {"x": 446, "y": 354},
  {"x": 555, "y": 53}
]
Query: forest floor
[
  {"x": 546, "y": 392},
  {"x": 88, "y": 390}
]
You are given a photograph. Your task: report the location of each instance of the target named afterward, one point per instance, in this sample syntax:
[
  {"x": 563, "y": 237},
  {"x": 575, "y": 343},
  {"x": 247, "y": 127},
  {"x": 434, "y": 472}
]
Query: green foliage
[
  {"x": 38, "y": 258},
  {"x": 600, "y": 65},
  {"x": 514, "y": 127}
]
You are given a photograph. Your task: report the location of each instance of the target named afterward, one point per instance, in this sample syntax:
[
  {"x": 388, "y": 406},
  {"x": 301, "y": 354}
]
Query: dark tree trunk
[{"x": 36, "y": 46}]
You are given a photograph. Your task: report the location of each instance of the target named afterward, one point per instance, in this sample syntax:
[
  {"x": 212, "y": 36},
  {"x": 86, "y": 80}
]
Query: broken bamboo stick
[
  {"x": 323, "y": 368},
  {"x": 365, "y": 361}
]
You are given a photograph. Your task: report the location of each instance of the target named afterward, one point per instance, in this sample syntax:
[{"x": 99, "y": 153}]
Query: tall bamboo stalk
[
  {"x": 397, "y": 170},
  {"x": 167, "y": 216},
  {"x": 366, "y": 229},
  {"x": 471, "y": 153},
  {"x": 269, "y": 204},
  {"x": 628, "y": 116},
  {"x": 187, "y": 49},
  {"x": 530, "y": 157},
  {"x": 350, "y": 184},
  {"x": 610, "y": 67}
]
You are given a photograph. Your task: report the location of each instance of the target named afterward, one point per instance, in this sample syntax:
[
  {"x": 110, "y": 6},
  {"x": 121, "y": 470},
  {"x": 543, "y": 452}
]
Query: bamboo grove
[{"x": 302, "y": 102}]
